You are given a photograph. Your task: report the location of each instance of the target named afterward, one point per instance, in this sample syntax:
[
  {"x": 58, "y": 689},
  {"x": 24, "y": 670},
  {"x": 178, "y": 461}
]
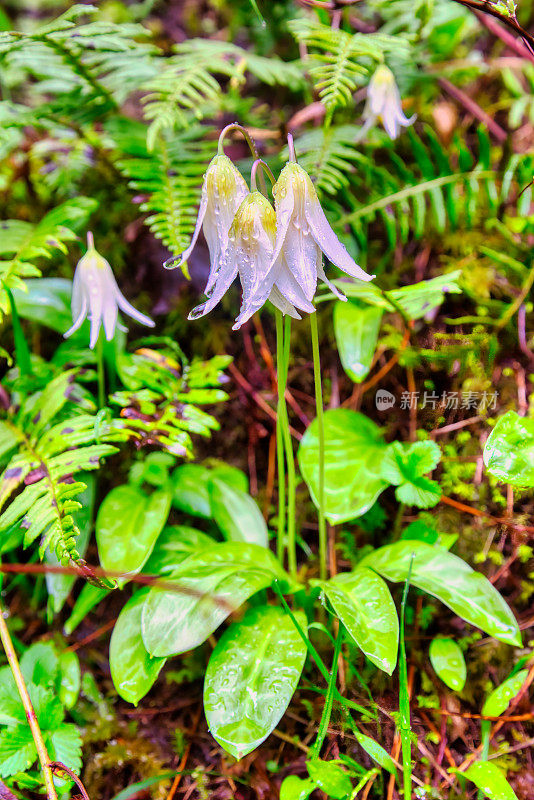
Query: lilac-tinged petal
[
  {"x": 173, "y": 263},
  {"x": 292, "y": 290},
  {"x": 132, "y": 312},
  {"x": 79, "y": 319},
  {"x": 329, "y": 243},
  {"x": 333, "y": 288},
  {"x": 226, "y": 277},
  {"x": 279, "y": 301},
  {"x": 109, "y": 316},
  {"x": 284, "y": 200}
]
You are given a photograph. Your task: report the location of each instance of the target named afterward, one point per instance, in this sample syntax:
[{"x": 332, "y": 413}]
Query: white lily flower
[
  {"x": 223, "y": 190},
  {"x": 384, "y": 102},
  {"x": 249, "y": 253},
  {"x": 95, "y": 294},
  {"x": 303, "y": 234}
]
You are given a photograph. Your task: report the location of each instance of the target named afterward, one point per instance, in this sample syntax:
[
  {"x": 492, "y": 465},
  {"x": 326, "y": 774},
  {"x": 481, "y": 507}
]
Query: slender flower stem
[
  {"x": 266, "y": 168},
  {"x": 404, "y": 699},
  {"x": 100, "y": 371},
  {"x": 235, "y": 126},
  {"x": 28, "y": 708},
  {"x": 283, "y": 422},
  {"x": 320, "y": 426},
  {"x": 280, "y": 542}
]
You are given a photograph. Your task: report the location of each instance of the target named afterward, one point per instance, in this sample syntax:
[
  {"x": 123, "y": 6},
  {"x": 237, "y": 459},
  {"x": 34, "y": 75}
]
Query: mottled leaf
[
  {"x": 448, "y": 662},
  {"x": 133, "y": 670},
  {"x": 445, "y": 576},
  {"x": 251, "y": 677},
  {"x": 354, "y": 450},
  {"x": 363, "y": 603}
]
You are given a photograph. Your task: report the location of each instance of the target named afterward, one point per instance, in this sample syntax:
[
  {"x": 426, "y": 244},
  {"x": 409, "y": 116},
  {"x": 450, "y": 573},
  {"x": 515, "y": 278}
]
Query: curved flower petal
[
  {"x": 78, "y": 322},
  {"x": 132, "y": 312},
  {"x": 173, "y": 263},
  {"x": 328, "y": 242},
  {"x": 227, "y": 275},
  {"x": 279, "y": 301},
  {"x": 333, "y": 288},
  {"x": 287, "y": 284}
]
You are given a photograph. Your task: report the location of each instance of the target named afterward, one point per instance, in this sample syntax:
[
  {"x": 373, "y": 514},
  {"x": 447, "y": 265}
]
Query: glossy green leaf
[
  {"x": 416, "y": 300},
  {"x": 295, "y": 788},
  {"x": 331, "y": 778},
  {"x": 88, "y": 598},
  {"x": 210, "y": 585},
  {"x": 47, "y": 302},
  {"x": 70, "y": 678},
  {"x": 448, "y": 662},
  {"x": 133, "y": 670},
  {"x": 356, "y": 327},
  {"x": 376, "y": 751},
  {"x": 499, "y": 699},
  {"x": 353, "y": 454},
  {"x": 191, "y": 490},
  {"x": 490, "y": 780},
  {"x": 127, "y": 526},
  {"x": 229, "y": 474},
  {"x": 363, "y": 602},
  {"x": 509, "y": 450},
  {"x": 251, "y": 677},
  {"x": 447, "y": 577},
  {"x": 174, "y": 544},
  {"x": 237, "y": 514}
]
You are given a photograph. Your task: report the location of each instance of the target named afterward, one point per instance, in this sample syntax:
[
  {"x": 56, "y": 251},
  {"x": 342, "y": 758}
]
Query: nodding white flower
[
  {"x": 222, "y": 192},
  {"x": 249, "y": 253},
  {"x": 303, "y": 234},
  {"x": 95, "y": 294},
  {"x": 384, "y": 102}
]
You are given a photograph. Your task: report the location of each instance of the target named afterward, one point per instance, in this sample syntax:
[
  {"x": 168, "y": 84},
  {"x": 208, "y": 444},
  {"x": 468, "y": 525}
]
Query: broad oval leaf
[
  {"x": 376, "y": 751},
  {"x": 354, "y": 450},
  {"x": 490, "y": 780},
  {"x": 509, "y": 450},
  {"x": 210, "y": 585},
  {"x": 88, "y": 598},
  {"x": 363, "y": 603},
  {"x": 448, "y": 662},
  {"x": 127, "y": 526},
  {"x": 447, "y": 577},
  {"x": 295, "y": 788},
  {"x": 237, "y": 514},
  {"x": 330, "y": 777},
  {"x": 133, "y": 670},
  {"x": 356, "y": 326},
  {"x": 499, "y": 699},
  {"x": 191, "y": 490},
  {"x": 47, "y": 301},
  {"x": 70, "y": 678},
  {"x": 251, "y": 677},
  {"x": 174, "y": 544}
]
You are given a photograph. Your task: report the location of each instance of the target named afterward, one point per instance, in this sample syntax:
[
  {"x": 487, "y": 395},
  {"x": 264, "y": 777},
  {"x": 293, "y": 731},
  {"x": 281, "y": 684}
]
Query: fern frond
[
  {"x": 226, "y": 58},
  {"x": 180, "y": 86},
  {"x": 160, "y": 408},
  {"x": 22, "y": 243},
  {"x": 170, "y": 175},
  {"x": 106, "y": 60},
  {"x": 453, "y": 189},
  {"x": 48, "y": 454},
  {"x": 344, "y": 58},
  {"x": 330, "y": 156}
]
